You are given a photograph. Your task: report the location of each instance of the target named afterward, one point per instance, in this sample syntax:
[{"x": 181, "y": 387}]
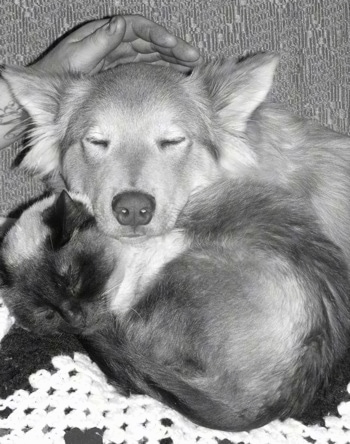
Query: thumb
[{"x": 97, "y": 45}]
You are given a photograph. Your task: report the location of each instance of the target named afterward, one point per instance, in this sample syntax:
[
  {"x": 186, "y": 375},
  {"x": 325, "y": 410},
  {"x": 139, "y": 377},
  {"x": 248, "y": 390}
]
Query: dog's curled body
[{"x": 243, "y": 326}]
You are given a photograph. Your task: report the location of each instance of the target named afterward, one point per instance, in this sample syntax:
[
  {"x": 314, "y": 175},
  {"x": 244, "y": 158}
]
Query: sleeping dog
[{"x": 140, "y": 139}]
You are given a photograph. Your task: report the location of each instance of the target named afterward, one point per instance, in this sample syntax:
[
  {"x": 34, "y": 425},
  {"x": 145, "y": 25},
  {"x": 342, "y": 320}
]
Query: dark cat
[{"x": 240, "y": 321}]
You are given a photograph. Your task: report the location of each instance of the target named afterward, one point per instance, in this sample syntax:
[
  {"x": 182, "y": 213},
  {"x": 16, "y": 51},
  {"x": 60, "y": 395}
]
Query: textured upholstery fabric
[
  {"x": 311, "y": 37},
  {"x": 45, "y": 400}
]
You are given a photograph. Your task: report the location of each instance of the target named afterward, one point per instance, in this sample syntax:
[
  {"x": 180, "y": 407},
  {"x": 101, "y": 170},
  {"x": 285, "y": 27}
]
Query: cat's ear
[{"x": 64, "y": 217}]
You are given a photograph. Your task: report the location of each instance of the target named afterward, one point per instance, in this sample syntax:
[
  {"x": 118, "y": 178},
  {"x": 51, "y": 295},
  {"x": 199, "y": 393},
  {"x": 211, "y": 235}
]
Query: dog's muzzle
[{"x": 133, "y": 208}]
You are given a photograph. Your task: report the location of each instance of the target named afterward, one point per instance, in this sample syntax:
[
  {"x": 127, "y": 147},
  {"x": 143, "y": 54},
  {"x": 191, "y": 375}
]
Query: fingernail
[{"x": 112, "y": 25}]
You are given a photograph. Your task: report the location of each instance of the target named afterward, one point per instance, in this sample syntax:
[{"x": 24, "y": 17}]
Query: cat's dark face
[{"x": 55, "y": 266}]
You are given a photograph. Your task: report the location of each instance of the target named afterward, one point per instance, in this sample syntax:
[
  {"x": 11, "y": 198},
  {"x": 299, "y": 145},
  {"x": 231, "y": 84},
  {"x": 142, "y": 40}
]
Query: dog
[
  {"x": 242, "y": 325},
  {"x": 140, "y": 139}
]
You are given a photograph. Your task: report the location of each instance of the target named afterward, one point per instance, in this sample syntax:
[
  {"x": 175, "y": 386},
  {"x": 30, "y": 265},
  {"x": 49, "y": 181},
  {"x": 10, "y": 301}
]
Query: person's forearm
[{"x": 12, "y": 117}]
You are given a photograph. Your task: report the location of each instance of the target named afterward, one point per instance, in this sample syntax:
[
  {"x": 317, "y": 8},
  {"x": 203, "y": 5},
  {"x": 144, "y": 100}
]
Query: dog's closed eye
[
  {"x": 95, "y": 146},
  {"x": 97, "y": 142},
  {"x": 166, "y": 143}
]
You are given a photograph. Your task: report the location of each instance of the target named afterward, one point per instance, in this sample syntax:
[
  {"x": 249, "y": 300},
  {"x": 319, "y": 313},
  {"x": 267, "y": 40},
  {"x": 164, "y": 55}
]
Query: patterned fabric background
[
  {"x": 311, "y": 37},
  {"x": 49, "y": 389}
]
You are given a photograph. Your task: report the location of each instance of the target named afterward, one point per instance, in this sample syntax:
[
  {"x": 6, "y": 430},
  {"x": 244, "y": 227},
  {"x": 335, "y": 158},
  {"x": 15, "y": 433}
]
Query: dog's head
[{"x": 138, "y": 140}]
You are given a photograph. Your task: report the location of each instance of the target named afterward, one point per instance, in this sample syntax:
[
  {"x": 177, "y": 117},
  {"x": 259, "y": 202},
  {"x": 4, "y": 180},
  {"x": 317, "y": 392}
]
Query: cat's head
[{"x": 54, "y": 266}]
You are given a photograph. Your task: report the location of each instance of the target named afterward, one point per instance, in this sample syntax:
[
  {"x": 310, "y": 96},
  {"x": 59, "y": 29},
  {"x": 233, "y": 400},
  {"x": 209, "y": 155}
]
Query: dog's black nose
[{"x": 133, "y": 208}]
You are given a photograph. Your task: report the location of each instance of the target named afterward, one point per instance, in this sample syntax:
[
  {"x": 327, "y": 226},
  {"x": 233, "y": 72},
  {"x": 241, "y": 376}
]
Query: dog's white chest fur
[{"x": 138, "y": 266}]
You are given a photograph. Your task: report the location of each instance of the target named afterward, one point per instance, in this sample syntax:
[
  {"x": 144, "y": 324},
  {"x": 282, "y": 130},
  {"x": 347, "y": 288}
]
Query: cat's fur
[{"x": 241, "y": 327}]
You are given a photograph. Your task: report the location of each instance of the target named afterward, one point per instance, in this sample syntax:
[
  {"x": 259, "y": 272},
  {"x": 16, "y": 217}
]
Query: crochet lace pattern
[{"x": 76, "y": 395}]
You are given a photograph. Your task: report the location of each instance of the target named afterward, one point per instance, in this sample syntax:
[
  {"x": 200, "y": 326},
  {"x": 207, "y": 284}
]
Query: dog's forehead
[
  {"x": 135, "y": 102},
  {"x": 140, "y": 76},
  {"x": 124, "y": 124},
  {"x": 137, "y": 86}
]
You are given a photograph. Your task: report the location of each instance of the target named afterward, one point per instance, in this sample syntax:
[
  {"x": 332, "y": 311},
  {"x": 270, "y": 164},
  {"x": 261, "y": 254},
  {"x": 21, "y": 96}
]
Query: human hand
[
  {"x": 146, "y": 41},
  {"x": 103, "y": 44}
]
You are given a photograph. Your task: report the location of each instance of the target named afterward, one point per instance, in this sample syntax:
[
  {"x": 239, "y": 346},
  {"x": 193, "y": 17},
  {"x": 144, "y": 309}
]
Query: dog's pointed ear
[
  {"x": 37, "y": 92},
  {"x": 64, "y": 217},
  {"x": 50, "y": 100},
  {"x": 237, "y": 89}
]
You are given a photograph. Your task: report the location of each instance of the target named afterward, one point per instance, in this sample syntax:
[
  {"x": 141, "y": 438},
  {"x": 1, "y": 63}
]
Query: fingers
[
  {"x": 85, "y": 30},
  {"x": 142, "y": 51},
  {"x": 104, "y": 43},
  {"x": 182, "y": 53},
  {"x": 92, "y": 50},
  {"x": 174, "y": 61},
  {"x": 140, "y": 27},
  {"x": 105, "y": 38},
  {"x": 141, "y": 31}
]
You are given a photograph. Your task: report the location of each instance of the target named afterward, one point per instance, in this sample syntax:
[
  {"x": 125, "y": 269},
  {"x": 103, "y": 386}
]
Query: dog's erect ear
[
  {"x": 64, "y": 217},
  {"x": 237, "y": 89},
  {"x": 41, "y": 95},
  {"x": 37, "y": 92}
]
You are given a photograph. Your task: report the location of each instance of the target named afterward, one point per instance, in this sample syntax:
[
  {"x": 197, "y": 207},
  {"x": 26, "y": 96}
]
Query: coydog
[{"x": 242, "y": 325}]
